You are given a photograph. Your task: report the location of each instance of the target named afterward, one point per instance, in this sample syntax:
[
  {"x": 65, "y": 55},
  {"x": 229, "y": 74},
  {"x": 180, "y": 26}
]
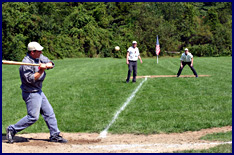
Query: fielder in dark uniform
[
  {"x": 36, "y": 101},
  {"x": 132, "y": 57},
  {"x": 186, "y": 59}
]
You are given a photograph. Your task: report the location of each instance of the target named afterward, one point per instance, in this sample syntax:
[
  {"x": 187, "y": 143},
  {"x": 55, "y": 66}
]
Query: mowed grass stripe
[
  {"x": 85, "y": 93},
  {"x": 152, "y": 68},
  {"x": 95, "y": 93},
  {"x": 181, "y": 104}
]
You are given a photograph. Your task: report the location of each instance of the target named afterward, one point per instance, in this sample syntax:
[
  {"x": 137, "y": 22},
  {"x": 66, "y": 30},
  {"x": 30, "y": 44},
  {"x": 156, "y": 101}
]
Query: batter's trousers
[{"x": 36, "y": 104}]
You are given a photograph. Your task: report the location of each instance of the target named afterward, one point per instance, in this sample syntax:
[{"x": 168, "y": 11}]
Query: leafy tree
[{"x": 93, "y": 29}]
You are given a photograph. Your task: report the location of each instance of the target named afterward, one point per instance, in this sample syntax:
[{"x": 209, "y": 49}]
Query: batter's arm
[
  {"x": 38, "y": 74},
  {"x": 47, "y": 61}
]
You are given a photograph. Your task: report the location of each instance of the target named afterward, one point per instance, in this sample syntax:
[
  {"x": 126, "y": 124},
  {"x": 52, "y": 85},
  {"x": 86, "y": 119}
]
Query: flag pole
[{"x": 157, "y": 50}]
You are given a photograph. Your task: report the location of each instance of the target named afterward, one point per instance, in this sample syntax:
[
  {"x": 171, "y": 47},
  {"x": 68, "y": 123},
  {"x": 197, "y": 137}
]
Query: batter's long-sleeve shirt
[{"x": 28, "y": 82}]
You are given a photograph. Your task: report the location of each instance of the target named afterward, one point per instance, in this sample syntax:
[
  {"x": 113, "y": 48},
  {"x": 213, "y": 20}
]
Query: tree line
[{"x": 93, "y": 29}]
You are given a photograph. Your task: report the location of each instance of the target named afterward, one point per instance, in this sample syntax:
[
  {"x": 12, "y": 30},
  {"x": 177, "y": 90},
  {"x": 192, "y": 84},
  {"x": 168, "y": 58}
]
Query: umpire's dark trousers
[
  {"x": 132, "y": 66},
  {"x": 184, "y": 64}
]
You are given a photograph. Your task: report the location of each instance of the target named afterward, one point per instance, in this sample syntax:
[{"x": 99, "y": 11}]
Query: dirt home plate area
[{"x": 113, "y": 143}]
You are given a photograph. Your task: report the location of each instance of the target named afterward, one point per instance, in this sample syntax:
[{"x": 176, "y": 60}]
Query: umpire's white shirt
[
  {"x": 133, "y": 53},
  {"x": 186, "y": 58}
]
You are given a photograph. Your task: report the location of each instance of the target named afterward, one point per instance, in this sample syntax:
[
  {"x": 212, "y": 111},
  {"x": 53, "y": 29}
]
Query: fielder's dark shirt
[{"x": 27, "y": 74}]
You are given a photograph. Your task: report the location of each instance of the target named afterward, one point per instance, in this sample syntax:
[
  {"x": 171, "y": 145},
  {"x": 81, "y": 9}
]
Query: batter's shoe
[
  {"x": 58, "y": 139},
  {"x": 10, "y": 135}
]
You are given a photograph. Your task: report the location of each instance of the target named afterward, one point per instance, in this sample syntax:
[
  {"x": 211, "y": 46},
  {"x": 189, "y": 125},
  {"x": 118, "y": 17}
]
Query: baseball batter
[
  {"x": 186, "y": 59},
  {"x": 132, "y": 57},
  {"x": 36, "y": 101}
]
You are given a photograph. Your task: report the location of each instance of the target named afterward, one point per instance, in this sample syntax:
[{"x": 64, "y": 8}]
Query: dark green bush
[{"x": 78, "y": 29}]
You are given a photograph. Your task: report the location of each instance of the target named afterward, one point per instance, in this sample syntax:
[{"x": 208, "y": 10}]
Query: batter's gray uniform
[{"x": 35, "y": 99}]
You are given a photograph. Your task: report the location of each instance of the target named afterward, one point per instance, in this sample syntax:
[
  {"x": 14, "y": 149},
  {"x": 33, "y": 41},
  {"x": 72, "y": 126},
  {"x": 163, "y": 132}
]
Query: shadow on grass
[
  {"x": 126, "y": 82},
  {"x": 18, "y": 139}
]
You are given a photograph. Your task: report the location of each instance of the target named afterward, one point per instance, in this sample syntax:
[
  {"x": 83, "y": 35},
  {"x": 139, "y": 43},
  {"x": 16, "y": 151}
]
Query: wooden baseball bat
[{"x": 18, "y": 63}]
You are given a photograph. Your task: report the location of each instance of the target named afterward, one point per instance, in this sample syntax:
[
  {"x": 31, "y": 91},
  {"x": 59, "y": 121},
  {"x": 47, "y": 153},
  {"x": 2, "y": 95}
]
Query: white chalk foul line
[{"x": 104, "y": 132}]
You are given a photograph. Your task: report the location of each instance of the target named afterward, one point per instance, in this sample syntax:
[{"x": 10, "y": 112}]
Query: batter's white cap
[
  {"x": 186, "y": 49},
  {"x": 34, "y": 46},
  {"x": 134, "y": 42}
]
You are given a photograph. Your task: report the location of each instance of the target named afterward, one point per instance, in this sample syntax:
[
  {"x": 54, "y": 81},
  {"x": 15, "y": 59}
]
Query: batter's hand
[
  {"x": 127, "y": 62},
  {"x": 191, "y": 65},
  {"x": 42, "y": 67},
  {"x": 49, "y": 65},
  {"x": 181, "y": 66}
]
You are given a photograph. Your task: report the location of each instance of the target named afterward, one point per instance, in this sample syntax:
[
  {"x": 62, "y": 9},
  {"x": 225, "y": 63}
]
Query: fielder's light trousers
[{"x": 37, "y": 104}]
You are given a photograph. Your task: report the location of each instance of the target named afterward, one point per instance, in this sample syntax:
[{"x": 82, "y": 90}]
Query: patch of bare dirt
[{"x": 89, "y": 142}]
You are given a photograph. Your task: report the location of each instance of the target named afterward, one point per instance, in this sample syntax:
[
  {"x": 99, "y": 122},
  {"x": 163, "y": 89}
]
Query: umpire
[
  {"x": 186, "y": 59},
  {"x": 132, "y": 57}
]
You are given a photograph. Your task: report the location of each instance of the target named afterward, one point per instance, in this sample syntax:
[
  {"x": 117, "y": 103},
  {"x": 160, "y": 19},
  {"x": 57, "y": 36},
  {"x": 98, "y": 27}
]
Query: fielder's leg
[
  {"x": 194, "y": 71},
  {"x": 180, "y": 69},
  {"x": 134, "y": 71},
  {"x": 129, "y": 70}
]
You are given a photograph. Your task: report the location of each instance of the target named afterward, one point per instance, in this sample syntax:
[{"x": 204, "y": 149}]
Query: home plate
[{"x": 165, "y": 76}]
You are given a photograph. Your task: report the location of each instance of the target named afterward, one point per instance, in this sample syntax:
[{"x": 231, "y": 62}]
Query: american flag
[{"x": 157, "y": 47}]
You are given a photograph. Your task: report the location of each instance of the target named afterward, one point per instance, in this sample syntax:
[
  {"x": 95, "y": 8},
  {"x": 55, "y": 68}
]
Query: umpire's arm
[
  {"x": 127, "y": 57},
  {"x": 191, "y": 62},
  {"x": 181, "y": 64},
  {"x": 140, "y": 58}
]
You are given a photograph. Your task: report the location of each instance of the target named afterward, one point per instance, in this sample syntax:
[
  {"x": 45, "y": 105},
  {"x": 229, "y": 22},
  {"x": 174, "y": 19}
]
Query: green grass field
[
  {"x": 85, "y": 94},
  {"x": 222, "y": 136},
  {"x": 224, "y": 148}
]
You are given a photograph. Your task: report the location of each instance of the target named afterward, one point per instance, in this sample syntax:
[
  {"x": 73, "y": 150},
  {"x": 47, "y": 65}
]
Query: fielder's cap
[
  {"x": 134, "y": 42},
  {"x": 34, "y": 46},
  {"x": 186, "y": 49}
]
